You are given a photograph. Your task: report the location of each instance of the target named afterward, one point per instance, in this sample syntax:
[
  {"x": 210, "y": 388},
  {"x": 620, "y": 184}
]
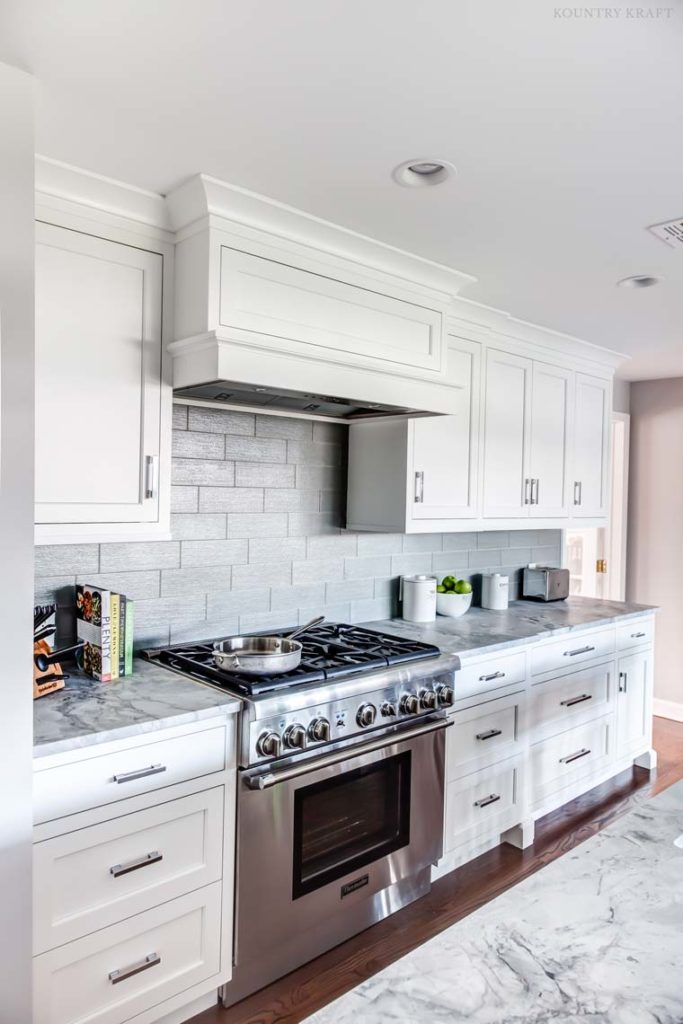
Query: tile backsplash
[{"x": 257, "y": 513}]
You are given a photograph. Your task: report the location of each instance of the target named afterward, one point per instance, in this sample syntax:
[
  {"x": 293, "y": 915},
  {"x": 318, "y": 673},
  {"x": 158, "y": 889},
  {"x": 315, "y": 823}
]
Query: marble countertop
[
  {"x": 481, "y": 631},
  {"x": 88, "y": 712}
]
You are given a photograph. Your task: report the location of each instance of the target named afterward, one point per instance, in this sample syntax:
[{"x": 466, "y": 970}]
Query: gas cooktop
[{"x": 331, "y": 650}]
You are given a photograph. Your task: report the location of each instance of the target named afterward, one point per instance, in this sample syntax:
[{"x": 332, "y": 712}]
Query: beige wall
[{"x": 655, "y": 535}]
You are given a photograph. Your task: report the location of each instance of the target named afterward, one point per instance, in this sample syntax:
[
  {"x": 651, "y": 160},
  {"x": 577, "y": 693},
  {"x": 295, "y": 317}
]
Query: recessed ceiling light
[
  {"x": 639, "y": 281},
  {"x": 421, "y": 173}
]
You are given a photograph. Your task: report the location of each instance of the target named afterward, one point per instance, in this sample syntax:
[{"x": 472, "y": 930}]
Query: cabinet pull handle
[
  {"x": 534, "y": 491},
  {"x": 139, "y": 773},
  {"x": 575, "y": 757},
  {"x": 579, "y": 650},
  {"x": 576, "y": 700},
  {"x": 527, "y": 500},
  {"x": 132, "y": 865},
  {"x": 623, "y": 678},
  {"x": 490, "y": 734},
  {"x": 494, "y": 675},
  {"x": 419, "y": 487},
  {"x": 637, "y": 636},
  {"x": 151, "y": 462},
  {"x": 485, "y": 801},
  {"x": 151, "y": 960},
  {"x": 538, "y": 489},
  {"x": 577, "y": 492}
]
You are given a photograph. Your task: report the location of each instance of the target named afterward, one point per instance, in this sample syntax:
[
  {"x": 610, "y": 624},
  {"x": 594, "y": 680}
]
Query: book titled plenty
[{"x": 104, "y": 621}]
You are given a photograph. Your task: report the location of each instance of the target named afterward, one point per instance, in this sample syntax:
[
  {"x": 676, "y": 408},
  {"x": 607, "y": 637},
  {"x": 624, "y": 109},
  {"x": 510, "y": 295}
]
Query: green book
[{"x": 128, "y": 640}]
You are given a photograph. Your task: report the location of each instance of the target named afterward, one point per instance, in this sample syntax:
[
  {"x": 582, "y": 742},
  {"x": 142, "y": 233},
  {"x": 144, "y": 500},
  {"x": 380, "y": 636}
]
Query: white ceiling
[{"x": 566, "y": 132}]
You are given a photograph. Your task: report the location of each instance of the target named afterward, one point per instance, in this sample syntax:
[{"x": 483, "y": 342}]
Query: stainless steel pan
[{"x": 261, "y": 655}]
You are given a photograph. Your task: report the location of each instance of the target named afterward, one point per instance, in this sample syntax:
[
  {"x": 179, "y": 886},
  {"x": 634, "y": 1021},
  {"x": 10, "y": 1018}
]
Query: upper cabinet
[
  {"x": 101, "y": 402},
  {"x": 590, "y": 495},
  {"x": 507, "y": 396},
  {"x": 552, "y": 390}
]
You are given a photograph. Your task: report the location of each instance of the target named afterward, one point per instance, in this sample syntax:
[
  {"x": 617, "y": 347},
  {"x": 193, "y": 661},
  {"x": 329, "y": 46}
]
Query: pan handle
[{"x": 302, "y": 629}]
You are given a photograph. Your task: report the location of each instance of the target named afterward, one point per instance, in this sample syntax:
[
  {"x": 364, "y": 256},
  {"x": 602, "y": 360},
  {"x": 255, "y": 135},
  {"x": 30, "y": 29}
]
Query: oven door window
[{"x": 350, "y": 820}]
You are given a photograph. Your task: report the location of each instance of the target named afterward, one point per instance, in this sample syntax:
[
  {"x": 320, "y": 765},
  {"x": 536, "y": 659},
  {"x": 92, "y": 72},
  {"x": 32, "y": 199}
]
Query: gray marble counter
[
  {"x": 87, "y": 712},
  {"x": 594, "y": 936},
  {"x": 481, "y": 631}
]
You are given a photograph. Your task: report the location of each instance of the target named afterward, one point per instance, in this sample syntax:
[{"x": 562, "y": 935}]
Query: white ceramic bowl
[{"x": 453, "y": 605}]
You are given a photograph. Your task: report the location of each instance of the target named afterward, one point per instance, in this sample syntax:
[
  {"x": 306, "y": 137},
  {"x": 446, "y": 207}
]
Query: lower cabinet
[{"x": 634, "y": 702}]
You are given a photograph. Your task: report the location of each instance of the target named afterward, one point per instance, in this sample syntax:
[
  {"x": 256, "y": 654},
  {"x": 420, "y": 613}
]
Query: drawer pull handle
[
  {"x": 494, "y": 675},
  {"x": 571, "y": 701},
  {"x": 579, "y": 650},
  {"x": 151, "y": 960},
  {"x": 485, "y": 801},
  {"x": 132, "y": 865},
  {"x": 623, "y": 682},
  {"x": 637, "y": 636},
  {"x": 490, "y": 734},
  {"x": 140, "y": 773},
  {"x": 575, "y": 757}
]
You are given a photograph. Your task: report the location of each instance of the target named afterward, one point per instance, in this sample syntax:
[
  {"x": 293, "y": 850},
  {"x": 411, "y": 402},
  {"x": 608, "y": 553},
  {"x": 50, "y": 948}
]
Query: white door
[
  {"x": 634, "y": 718},
  {"x": 98, "y": 379},
  {"x": 443, "y": 450},
  {"x": 592, "y": 416},
  {"x": 551, "y": 410},
  {"x": 506, "y": 435}
]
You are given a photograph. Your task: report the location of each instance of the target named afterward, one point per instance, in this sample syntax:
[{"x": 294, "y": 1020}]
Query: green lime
[
  {"x": 463, "y": 587},
  {"x": 440, "y": 589},
  {"x": 448, "y": 582}
]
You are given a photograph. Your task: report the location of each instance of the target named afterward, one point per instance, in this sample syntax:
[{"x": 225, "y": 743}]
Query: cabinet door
[
  {"x": 443, "y": 450},
  {"x": 98, "y": 379},
  {"x": 634, "y": 703},
  {"x": 551, "y": 409},
  {"x": 591, "y": 447},
  {"x": 506, "y": 434}
]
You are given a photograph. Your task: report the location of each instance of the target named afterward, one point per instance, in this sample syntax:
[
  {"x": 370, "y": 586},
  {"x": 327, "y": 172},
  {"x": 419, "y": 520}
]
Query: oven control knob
[
  {"x": 410, "y": 704},
  {"x": 445, "y": 695},
  {"x": 428, "y": 699},
  {"x": 366, "y": 715},
  {"x": 295, "y": 737},
  {"x": 319, "y": 730},
  {"x": 268, "y": 744},
  {"x": 388, "y": 710}
]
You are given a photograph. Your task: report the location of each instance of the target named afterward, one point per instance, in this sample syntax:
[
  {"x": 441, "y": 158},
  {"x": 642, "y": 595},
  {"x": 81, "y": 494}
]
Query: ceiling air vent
[{"x": 670, "y": 232}]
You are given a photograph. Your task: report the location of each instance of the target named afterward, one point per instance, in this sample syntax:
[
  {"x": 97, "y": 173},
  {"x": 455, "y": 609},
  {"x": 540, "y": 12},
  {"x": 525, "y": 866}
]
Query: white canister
[
  {"x": 418, "y": 594},
  {"x": 495, "y": 591}
]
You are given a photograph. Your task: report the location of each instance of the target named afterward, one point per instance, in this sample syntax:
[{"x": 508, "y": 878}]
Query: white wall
[
  {"x": 655, "y": 536},
  {"x": 16, "y": 539}
]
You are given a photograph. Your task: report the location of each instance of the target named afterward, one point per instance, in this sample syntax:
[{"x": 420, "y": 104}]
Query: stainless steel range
[{"x": 340, "y": 790}]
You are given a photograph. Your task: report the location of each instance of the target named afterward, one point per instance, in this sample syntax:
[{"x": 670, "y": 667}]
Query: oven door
[{"x": 324, "y": 843}]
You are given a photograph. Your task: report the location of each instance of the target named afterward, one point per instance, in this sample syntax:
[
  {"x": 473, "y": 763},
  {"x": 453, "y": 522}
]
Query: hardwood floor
[{"x": 312, "y": 986}]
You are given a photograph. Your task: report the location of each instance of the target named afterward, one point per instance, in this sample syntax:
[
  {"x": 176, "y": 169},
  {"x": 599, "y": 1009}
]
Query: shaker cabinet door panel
[
  {"x": 98, "y": 379},
  {"x": 591, "y": 447},
  {"x": 549, "y": 450},
  {"x": 634, "y": 703},
  {"x": 506, "y": 434}
]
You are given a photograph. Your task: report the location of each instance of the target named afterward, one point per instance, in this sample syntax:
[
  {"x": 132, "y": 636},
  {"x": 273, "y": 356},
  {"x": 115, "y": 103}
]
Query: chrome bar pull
[
  {"x": 576, "y": 700},
  {"x": 637, "y": 636},
  {"x": 577, "y": 492},
  {"x": 623, "y": 682},
  {"x": 419, "y": 487},
  {"x": 485, "y": 801},
  {"x": 151, "y": 960},
  {"x": 527, "y": 483},
  {"x": 139, "y": 773},
  {"x": 494, "y": 675},
  {"x": 489, "y": 734},
  {"x": 579, "y": 650},
  {"x": 534, "y": 491},
  {"x": 151, "y": 463},
  {"x": 133, "y": 865},
  {"x": 575, "y": 757}
]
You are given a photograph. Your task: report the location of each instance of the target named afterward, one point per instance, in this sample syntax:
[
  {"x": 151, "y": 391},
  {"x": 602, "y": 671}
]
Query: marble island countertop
[
  {"x": 481, "y": 631},
  {"x": 87, "y": 712}
]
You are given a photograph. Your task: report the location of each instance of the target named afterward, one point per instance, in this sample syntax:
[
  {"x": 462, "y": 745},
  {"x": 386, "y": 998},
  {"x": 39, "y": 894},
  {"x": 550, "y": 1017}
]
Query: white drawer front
[
  {"x": 638, "y": 633},
  {"x": 157, "y": 955},
  {"x": 572, "y": 650},
  {"x": 483, "y": 734},
  {"x": 69, "y": 788},
  {"x": 93, "y": 877},
  {"x": 559, "y": 702},
  {"x": 475, "y": 804},
  {"x": 490, "y": 674},
  {"x": 558, "y": 761}
]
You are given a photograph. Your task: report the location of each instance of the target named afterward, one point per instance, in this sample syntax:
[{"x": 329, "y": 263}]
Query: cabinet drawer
[
  {"x": 588, "y": 693},
  {"x": 558, "y": 761},
  {"x": 571, "y": 650},
  {"x": 69, "y": 788},
  {"x": 635, "y": 634},
  {"x": 490, "y": 674},
  {"x": 477, "y": 803},
  {"x": 93, "y": 877},
  {"x": 110, "y": 976},
  {"x": 483, "y": 734}
]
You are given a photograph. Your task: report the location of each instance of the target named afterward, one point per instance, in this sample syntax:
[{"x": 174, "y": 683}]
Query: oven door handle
[{"x": 270, "y": 779}]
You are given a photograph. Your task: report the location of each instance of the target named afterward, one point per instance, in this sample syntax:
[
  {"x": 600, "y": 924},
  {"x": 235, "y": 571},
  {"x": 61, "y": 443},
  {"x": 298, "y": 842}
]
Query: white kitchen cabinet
[
  {"x": 507, "y": 423},
  {"x": 592, "y": 414},
  {"x": 549, "y": 445},
  {"x": 634, "y": 702},
  {"x": 101, "y": 402}
]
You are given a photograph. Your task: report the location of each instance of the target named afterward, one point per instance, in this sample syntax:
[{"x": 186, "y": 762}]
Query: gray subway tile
[
  {"x": 297, "y": 596},
  {"x": 179, "y": 417},
  {"x": 205, "y": 629},
  {"x": 459, "y": 541},
  {"x": 524, "y": 538},
  {"x": 422, "y": 542},
  {"x": 230, "y": 499},
  {"x": 314, "y": 453},
  {"x": 138, "y": 586},
  {"x": 198, "y": 526},
  {"x": 367, "y": 567},
  {"x": 332, "y": 612},
  {"x": 194, "y": 581},
  {"x": 237, "y": 602},
  {"x": 153, "y": 619},
  {"x": 184, "y": 499},
  {"x": 372, "y": 610},
  {"x": 255, "y": 449},
  {"x": 450, "y": 563},
  {"x": 285, "y": 549},
  {"x": 220, "y": 421},
  {"x": 286, "y": 499},
  {"x": 546, "y": 555},
  {"x": 320, "y": 570},
  {"x": 387, "y": 587},
  {"x": 261, "y": 574},
  {"x": 46, "y": 588},
  {"x": 66, "y": 559},
  {"x": 212, "y": 552},
  {"x": 285, "y": 427},
  {"x": 331, "y": 501},
  {"x": 329, "y": 431},
  {"x": 493, "y": 539},
  {"x": 130, "y": 556},
  {"x": 316, "y": 478},
  {"x": 333, "y": 546},
  {"x": 349, "y": 590},
  {"x": 487, "y": 558},
  {"x": 306, "y": 524},
  {"x": 266, "y": 524},
  {"x": 517, "y": 556},
  {"x": 410, "y": 565},
  {"x": 380, "y": 543},
  {"x": 187, "y": 445},
  {"x": 259, "y": 622},
  {"x": 263, "y": 474},
  {"x": 204, "y": 472}
]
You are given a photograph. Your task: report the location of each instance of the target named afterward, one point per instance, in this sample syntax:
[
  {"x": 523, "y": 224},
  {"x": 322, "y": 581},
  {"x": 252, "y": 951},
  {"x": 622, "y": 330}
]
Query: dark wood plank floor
[{"x": 307, "y": 989}]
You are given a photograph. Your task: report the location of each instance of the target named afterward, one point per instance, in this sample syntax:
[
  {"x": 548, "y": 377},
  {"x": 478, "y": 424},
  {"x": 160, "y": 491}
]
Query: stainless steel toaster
[{"x": 543, "y": 583}]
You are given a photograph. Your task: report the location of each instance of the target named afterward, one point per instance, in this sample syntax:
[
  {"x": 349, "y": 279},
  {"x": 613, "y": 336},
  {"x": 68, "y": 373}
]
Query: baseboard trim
[{"x": 668, "y": 709}]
